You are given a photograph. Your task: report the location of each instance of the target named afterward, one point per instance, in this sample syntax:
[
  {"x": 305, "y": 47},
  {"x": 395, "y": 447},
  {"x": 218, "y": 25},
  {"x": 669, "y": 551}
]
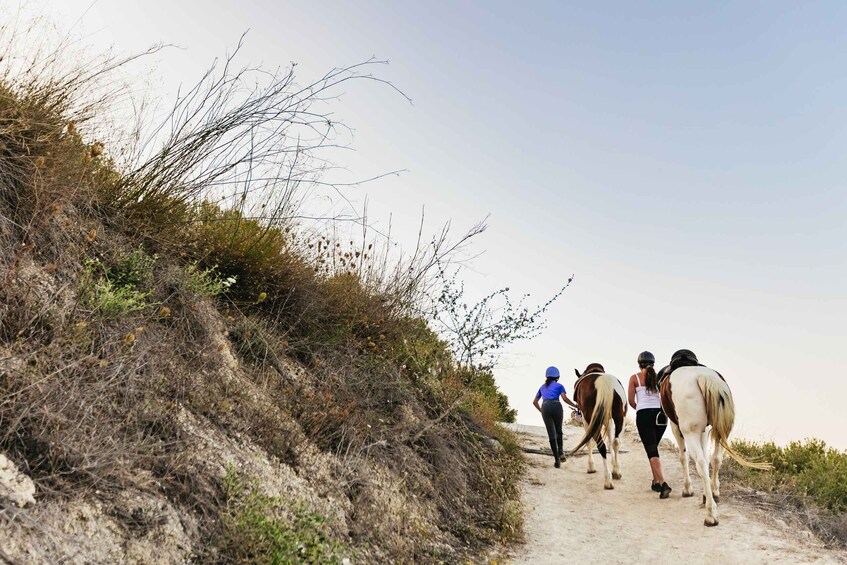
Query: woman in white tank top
[{"x": 649, "y": 418}]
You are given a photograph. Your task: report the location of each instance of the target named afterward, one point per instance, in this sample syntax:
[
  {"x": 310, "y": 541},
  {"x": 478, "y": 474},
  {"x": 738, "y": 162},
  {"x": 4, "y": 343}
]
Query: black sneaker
[
  {"x": 666, "y": 491},
  {"x": 656, "y": 487}
]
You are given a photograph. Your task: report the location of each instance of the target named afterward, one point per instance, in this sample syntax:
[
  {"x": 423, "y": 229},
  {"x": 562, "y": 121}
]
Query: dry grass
[{"x": 131, "y": 294}]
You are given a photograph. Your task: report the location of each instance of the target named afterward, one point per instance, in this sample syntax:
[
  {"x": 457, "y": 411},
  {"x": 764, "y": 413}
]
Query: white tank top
[{"x": 644, "y": 398}]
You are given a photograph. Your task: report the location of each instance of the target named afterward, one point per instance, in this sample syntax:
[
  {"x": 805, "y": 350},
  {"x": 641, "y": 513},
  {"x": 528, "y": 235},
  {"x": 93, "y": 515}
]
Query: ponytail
[
  {"x": 651, "y": 382},
  {"x": 549, "y": 380}
]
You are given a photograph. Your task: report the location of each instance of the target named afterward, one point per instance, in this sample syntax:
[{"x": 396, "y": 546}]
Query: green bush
[
  {"x": 116, "y": 290},
  {"x": 133, "y": 270},
  {"x": 272, "y": 530},
  {"x": 808, "y": 468},
  {"x": 112, "y": 301},
  {"x": 206, "y": 282}
]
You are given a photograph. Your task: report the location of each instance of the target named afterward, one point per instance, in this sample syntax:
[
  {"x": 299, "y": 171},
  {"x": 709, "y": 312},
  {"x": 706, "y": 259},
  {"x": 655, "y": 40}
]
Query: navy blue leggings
[{"x": 552, "y": 414}]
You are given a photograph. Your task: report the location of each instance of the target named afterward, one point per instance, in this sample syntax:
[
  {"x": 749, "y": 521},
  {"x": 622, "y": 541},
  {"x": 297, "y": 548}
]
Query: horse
[
  {"x": 694, "y": 398},
  {"x": 602, "y": 400}
]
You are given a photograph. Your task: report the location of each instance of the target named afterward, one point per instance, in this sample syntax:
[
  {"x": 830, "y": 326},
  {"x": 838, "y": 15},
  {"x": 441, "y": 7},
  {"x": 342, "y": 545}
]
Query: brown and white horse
[
  {"x": 602, "y": 400},
  {"x": 693, "y": 399}
]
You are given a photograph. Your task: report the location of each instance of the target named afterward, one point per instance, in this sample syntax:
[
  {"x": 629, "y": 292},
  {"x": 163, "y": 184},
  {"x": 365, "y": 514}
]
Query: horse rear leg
[
  {"x": 683, "y": 460},
  {"x": 695, "y": 443},
  {"x": 616, "y": 448},
  {"x": 589, "y": 446},
  {"x": 607, "y": 464},
  {"x": 717, "y": 460}
]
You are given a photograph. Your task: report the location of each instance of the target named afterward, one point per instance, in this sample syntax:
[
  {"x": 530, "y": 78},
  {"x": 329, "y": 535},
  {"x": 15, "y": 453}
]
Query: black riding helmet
[{"x": 645, "y": 359}]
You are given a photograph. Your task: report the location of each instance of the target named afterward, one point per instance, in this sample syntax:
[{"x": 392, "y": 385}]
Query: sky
[{"x": 683, "y": 160}]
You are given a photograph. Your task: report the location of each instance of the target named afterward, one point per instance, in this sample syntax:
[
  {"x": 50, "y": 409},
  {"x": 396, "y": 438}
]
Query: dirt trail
[{"x": 570, "y": 518}]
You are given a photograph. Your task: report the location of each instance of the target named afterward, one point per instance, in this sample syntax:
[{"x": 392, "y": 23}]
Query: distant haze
[{"x": 684, "y": 160}]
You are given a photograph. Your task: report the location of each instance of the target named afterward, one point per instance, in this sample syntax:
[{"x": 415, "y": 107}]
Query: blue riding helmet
[{"x": 551, "y": 373}]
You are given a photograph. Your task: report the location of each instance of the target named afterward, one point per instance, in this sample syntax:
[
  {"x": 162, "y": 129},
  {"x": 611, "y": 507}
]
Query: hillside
[{"x": 185, "y": 379}]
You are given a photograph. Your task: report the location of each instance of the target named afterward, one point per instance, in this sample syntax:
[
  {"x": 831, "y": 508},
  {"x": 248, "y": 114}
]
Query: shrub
[
  {"x": 807, "y": 476},
  {"x": 112, "y": 301},
  {"x": 264, "y": 529},
  {"x": 206, "y": 282},
  {"x": 806, "y": 468},
  {"x": 116, "y": 290}
]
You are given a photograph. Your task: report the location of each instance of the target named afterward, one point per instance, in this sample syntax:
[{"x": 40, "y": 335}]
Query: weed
[
  {"x": 112, "y": 301},
  {"x": 115, "y": 291},
  {"x": 206, "y": 282},
  {"x": 264, "y": 529}
]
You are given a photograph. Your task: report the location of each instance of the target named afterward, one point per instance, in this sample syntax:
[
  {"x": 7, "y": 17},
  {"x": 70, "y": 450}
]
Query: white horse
[
  {"x": 695, "y": 398},
  {"x": 601, "y": 399}
]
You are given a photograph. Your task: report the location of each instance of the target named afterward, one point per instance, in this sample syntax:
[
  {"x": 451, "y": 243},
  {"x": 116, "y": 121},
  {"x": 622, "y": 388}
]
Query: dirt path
[{"x": 570, "y": 518}]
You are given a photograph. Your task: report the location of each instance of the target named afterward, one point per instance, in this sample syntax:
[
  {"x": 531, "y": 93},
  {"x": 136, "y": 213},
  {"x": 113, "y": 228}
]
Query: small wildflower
[
  {"x": 129, "y": 339},
  {"x": 165, "y": 312},
  {"x": 262, "y": 297},
  {"x": 91, "y": 235}
]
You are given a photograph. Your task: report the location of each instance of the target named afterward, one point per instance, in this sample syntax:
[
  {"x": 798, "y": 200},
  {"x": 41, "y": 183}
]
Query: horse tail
[
  {"x": 720, "y": 413},
  {"x": 605, "y": 395}
]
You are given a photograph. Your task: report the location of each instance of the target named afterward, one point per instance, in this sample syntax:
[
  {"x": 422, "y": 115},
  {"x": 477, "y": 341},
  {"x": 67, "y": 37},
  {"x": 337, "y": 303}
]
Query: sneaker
[
  {"x": 655, "y": 487},
  {"x": 666, "y": 490}
]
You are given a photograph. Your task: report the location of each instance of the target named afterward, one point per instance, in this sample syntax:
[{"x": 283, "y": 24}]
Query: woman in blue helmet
[{"x": 551, "y": 410}]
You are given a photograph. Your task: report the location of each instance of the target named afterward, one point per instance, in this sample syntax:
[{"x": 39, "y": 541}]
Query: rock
[
  {"x": 14, "y": 485},
  {"x": 494, "y": 444}
]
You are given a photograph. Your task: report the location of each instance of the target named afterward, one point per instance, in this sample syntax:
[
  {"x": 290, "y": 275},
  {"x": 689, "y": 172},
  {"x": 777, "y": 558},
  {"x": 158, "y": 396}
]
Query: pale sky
[{"x": 684, "y": 161}]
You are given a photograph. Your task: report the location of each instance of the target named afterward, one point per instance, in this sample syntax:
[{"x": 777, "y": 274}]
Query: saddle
[
  {"x": 590, "y": 370},
  {"x": 682, "y": 358}
]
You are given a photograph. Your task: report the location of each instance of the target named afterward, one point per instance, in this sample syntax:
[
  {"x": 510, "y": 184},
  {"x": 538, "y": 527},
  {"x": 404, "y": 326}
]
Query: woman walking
[
  {"x": 649, "y": 418},
  {"x": 551, "y": 410}
]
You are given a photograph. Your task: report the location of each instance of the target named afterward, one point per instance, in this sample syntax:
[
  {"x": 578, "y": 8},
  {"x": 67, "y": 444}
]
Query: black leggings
[
  {"x": 650, "y": 432},
  {"x": 551, "y": 412}
]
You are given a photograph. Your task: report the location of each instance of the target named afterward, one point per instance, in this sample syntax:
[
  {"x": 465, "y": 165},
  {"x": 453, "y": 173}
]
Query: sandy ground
[{"x": 570, "y": 518}]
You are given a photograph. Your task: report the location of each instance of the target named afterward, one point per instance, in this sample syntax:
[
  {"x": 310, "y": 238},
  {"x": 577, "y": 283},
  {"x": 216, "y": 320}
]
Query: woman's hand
[{"x": 568, "y": 401}]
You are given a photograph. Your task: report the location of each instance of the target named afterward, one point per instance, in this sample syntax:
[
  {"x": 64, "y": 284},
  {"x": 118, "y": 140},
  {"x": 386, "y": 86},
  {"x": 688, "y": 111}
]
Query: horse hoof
[
  {"x": 709, "y": 522},
  {"x": 616, "y": 476},
  {"x": 609, "y": 486},
  {"x": 687, "y": 494},
  {"x": 592, "y": 471}
]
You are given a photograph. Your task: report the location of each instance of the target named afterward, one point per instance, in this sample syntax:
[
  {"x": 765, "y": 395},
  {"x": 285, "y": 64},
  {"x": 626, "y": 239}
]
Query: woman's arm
[
  {"x": 535, "y": 403},
  {"x": 632, "y": 391},
  {"x": 568, "y": 401}
]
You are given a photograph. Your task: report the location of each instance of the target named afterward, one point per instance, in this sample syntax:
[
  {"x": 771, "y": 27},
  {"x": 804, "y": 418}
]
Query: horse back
[{"x": 681, "y": 394}]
